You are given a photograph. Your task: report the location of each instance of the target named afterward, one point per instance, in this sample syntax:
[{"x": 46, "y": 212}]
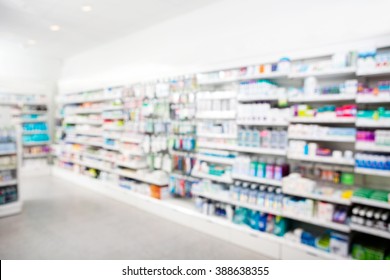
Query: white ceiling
[{"x": 23, "y": 20}]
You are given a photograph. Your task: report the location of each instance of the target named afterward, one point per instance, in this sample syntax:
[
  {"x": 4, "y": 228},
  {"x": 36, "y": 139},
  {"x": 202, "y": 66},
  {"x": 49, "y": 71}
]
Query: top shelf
[
  {"x": 340, "y": 72},
  {"x": 374, "y": 72}
]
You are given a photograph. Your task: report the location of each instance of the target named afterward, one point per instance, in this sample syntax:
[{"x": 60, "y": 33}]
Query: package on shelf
[
  {"x": 312, "y": 149},
  {"x": 370, "y": 251},
  {"x": 380, "y": 113},
  {"x": 183, "y": 163},
  {"x": 337, "y": 61},
  {"x": 379, "y": 88},
  {"x": 8, "y": 161},
  {"x": 181, "y": 186},
  {"x": 312, "y": 88},
  {"x": 377, "y": 137},
  {"x": 317, "y": 131},
  {"x": 217, "y": 127},
  {"x": 219, "y": 170},
  {"x": 371, "y": 59},
  {"x": 371, "y": 217},
  {"x": 327, "y": 111},
  {"x": 373, "y": 161},
  {"x": 372, "y": 194},
  {"x": 261, "y": 167},
  {"x": 41, "y": 126},
  {"x": 264, "y": 138},
  {"x": 261, "y": 88},
  {"x": 36, "y": 150},
  {"x": 216, "y": 105},
  {"x": 8, "y": 194},
  {"x": 261, "y": 112}
]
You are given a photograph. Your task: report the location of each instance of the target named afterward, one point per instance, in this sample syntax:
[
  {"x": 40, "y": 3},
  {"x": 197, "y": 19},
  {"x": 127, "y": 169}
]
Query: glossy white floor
[{"x": 64, "y": 221}]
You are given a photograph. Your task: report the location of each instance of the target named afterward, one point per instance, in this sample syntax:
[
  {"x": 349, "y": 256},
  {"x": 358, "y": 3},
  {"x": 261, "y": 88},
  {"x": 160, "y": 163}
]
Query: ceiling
[{"x": 25, "y": 24}]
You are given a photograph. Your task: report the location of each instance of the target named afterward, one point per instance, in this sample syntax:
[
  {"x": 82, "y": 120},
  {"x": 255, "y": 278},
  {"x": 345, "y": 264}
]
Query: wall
[
  {"x": 230, "y": 33},
  {"x": 21, "y": 71}
]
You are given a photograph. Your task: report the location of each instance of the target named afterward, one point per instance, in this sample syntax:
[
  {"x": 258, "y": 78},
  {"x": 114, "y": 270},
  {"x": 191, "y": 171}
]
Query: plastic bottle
[
  {"x": 253, "y": 194},
  {"x": 261, "y": 196},
  {"x": 244, "y": 195}
]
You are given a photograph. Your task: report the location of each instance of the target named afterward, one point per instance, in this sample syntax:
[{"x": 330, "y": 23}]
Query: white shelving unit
[
  {"x": 372, "y": 99},
  {"x": 260, "y": 151},
  {"x": 374, "y": 172},
  {"x": 257, "y": 180},
  {"x": 337, "y": 72},
  {"x": 221, "y": 179},
  {"x": 228, "y": 200},
  {"x": 318, "y": 222},
  {"x": 327, "y": 198},
  {"x": 325, "y": 138},
  {"x": 371, "y": 202},
  {"x": 384, "y": 123},
  {"x": 330, "y": 160},
  {"x": 322, "y": 98},
  {"x": 216, "y": 115},
  {"x": 371, "y": 231},
  {"x": 263, "y": 123},
  {"x": 373, "y": 72},
  {"x": 362, "y": 146},
  {"x": 335, "y": 120},
  {"x": 216, "y": 159}
]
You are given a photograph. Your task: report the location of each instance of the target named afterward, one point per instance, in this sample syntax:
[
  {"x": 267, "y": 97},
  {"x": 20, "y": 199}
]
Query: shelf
[
  {"x": 10, "y": 208},
  {"x": 385, "y": 123},
  {"x": 371, "y": 202},
  {"x": 90, "y": 165},
  {"x": 216, "y": 115},
  {"x": 10, "y": 167},
  {"x": 222, "y": 179},
  {"x": 33, "y": 120},
  {"x": 114, "y": 128},
  {"x": 35, "y": 156},
  {"x": 91, "y": 122},
  {"x": 318, "y": 222},
  {"x": 252, "y": 98},
  {"x": 217, "y": 82},
  {"x": 113, "y": 117},
  {"x": 88, "y": 143},
  {"x": 371, "y": 98},
  {"x": 228, "y": 200},
  {"x": 98, "y": 157},
  {"x": 113, "y": 108},
  {"x": 84, "y": 111},
  {"x": 373, "y": 72},
  {"x": 37, "y": 143},
  {"x": 271, "y": 75},
  {"x": 131, "y": 139},
  {"x": 133, "y": 153},
  {"x": 336, "y": 200},
  {"x": 132, "y": 165},
  {"x": 257, "y": 180},
  {"x": 217, "y": 135},
  {"x": 257, "y": 150},
  {"x": 325, "y": 138},
  {"x": 313, "y": 251},
  {"x": 8, "y": 153},
  {"x": 263, "y": 123},
  {"x": 113, "y": 137},
  {"x": 338, "y": 72},
  {"x": 371, "y": 231},
  {"x": 216, "y": 159},
  {"x": 337, "y": 120},
  {"x": 85, "y": 100},
  {"x": 364, "y": 146},
  {"x": 87, "y": 133},
  {"x": 215, "y": 95},
  {"x": 112, "y": 148},
  {"x": 374, "y": 172},
  {"x": 330, "y": 159},
  {"x": 142, "y": 177},
  {"x": 32, "y": 132},
  {"x": 8, "y": 183},
  {"x": 216, "y": 146},
  {"x": 323, "y": 98}
]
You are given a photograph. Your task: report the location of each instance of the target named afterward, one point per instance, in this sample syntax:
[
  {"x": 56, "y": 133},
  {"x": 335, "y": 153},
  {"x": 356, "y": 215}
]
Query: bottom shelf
[
  {"x": 183, "y": 212},
  {"x": 10, "y": 208}
]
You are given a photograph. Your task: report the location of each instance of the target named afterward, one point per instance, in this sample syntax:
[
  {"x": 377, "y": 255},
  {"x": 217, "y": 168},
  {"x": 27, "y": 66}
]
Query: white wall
[
  {"x": 22, "y": 72},
  {"x": 229, "y": 33}
]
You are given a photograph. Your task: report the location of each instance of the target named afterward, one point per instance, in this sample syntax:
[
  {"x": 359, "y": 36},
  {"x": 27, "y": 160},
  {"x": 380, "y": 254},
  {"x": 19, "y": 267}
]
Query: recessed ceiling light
[
  {"x": 31, "y": 42},
  {"x": 55, "y": 27},
  {"x": 86, "y": 8}
]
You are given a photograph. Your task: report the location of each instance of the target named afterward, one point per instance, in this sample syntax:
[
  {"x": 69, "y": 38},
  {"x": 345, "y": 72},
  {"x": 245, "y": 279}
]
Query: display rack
[
  {"x": 10, "y": 197},
  {"x": 232, "y": 104}
]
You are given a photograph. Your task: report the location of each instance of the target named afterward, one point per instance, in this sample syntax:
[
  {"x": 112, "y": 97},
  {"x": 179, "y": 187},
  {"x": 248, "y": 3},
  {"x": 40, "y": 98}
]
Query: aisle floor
[{"x": 65, "y": 221}]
